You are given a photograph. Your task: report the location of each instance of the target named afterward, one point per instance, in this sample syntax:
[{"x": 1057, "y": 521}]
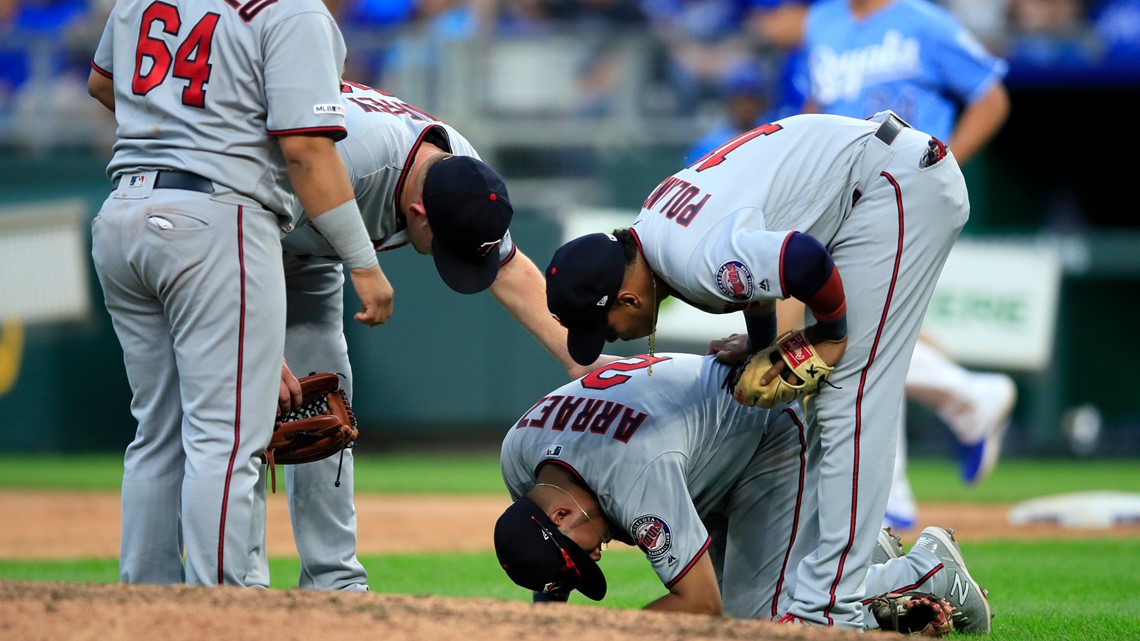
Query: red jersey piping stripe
[
  {"x": 859, "y": 396},
  {"x": 689, "y": 566},
  {"x": 514, "y": 250},
  {"x": 101, "y": 71},
  {"x": 913, "y": 586},
  {"x": 309, "y": 130},
  {"x": 799, "y": 504},
  {"x": 783, "y": 248},
  {"x": 408, "y": 162},
  {"x": 237, "y": 401}
]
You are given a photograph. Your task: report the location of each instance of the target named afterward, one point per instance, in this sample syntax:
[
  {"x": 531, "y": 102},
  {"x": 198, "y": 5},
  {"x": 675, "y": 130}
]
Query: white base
[{"x": 1079, "y": 510}]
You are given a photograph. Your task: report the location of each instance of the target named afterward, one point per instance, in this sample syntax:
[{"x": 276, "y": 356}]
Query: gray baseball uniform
[
  {"x": 715, "y": 233},
  {"x": 384, "y": 136},
  {"x": 188, "y": 254},
  {"x": 681, "y": 468}
]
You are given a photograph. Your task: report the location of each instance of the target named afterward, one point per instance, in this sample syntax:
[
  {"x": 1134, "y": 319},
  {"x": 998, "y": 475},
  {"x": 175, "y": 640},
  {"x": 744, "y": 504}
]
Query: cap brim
[
  {"x": 593, "y": 583},
  {"x": 464, "y": 276},
  {"x": 585, "y": 345}
]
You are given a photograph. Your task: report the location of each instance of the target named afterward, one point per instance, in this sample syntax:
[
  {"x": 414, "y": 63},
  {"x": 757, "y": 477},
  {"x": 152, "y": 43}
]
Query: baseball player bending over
[
  {"x": 417, "y": 181},
  {"x": 710, "y": 490},
  {"x": 808, "y": 207}
]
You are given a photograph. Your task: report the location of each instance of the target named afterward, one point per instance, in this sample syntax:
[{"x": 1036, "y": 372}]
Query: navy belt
[
  {"x": 889, "y": 130},
  {"x": 170, "y": 179}
]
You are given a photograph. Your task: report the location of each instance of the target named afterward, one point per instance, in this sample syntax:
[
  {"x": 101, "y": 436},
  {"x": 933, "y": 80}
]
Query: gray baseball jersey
[
  {"x": 715, "y": 232},
  {"x": 386, "y": 135},
  {"x": 203, "y": 87},
  {"x": 188, "y": 254}
]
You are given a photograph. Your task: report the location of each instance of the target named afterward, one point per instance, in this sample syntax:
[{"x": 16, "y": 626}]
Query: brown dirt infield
[{"x": 45, "y": 525}]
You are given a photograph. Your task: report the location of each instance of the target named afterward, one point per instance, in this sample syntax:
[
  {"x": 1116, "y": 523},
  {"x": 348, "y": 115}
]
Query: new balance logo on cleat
[{"x": 961, "y": 588}]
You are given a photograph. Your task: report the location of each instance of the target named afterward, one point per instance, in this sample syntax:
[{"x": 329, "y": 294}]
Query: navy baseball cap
[
  {"x": 582, "y": 281},
  {"x": 537, "y": 556},
  {"x": 469, "y": 213}
]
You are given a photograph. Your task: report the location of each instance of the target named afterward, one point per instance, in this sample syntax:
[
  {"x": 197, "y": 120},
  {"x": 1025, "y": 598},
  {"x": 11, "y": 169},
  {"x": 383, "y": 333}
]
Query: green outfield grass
[
  {"x": 456, "y": 473},
  {"x": 1041, "y": 589}
]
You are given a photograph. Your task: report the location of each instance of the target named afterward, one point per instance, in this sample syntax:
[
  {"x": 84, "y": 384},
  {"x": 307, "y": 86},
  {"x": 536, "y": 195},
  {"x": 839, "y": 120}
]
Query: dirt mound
[{"x": 79, "y": 612}]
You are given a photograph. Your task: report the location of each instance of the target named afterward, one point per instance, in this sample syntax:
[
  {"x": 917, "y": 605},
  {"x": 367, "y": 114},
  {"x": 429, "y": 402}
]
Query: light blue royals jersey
[{"x": 911, "y": 56}]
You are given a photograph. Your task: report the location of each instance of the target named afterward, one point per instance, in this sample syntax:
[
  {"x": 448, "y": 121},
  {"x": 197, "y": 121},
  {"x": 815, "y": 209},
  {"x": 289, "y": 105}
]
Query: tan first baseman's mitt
[
  {"x": 321, "y": 426},
  {"x": 799, "y": 358}
]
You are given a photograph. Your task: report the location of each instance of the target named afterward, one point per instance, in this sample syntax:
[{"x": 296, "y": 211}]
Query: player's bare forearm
[
  {"x": 317, "y": 172},
  {"x": 979, "y": 123},
  {"x": 521, "y": 289},
  {"x": 102, "y": 89},
  {"x": 696, "y": 593}
]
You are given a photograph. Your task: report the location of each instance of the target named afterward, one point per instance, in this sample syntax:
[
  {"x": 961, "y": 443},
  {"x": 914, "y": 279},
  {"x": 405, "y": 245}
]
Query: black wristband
[{"x": 832, "y": 331}]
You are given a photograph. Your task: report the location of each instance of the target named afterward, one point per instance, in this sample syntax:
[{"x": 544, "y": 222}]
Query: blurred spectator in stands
[
  {"x": 45, "y": 53},
  {"x": 34, "y": 41},
  {"x": 1050, "y": 33},
  {"x": 779, "y": 26},
  {"x": 1117, "y": 24},
  {"x": 702, "y": 40},
  {"x": 747, "y": 101},
  {"x": 988, "y": 20}
]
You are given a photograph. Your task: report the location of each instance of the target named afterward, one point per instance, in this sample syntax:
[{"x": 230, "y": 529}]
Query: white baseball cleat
[
  {"x": 971, "y": 603},
  {"x": 888, "y": 546},
  {"x": 988, "y": 419}
]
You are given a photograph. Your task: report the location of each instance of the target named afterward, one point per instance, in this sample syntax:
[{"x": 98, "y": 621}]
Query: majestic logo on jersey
[
  {"x": 554, "y": 451},
  {"x": 328, "y": 109},
  {"x": 735, "y": 280},
  {"x": 843, "y": 76},
  {"x": 652, "y": 535}
]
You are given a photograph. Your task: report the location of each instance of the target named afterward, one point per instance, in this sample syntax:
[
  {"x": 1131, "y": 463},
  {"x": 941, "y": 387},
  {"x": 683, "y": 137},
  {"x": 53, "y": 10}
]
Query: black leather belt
[
  {"x": 170, "y": 179},
  {"x": 889, "y": 130}
]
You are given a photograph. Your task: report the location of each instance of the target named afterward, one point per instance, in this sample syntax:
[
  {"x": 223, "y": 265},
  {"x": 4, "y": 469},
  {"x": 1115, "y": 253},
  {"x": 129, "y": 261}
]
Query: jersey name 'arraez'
[{"x": 559, "y": 412}]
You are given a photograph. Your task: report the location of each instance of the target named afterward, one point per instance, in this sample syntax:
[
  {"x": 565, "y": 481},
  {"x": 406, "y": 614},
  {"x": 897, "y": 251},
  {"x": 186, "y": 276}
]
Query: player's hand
[
  {"x": 375, "y": 293},
  {"x": 290, "y": 395},
  {"x": 829, "y": 351},
  {"x": 730, "y": 349}
]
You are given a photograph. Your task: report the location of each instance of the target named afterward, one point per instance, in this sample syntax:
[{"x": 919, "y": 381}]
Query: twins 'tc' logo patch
[
  {"x": 652, "y": 535},
  {"x": 735, "y": 280}
]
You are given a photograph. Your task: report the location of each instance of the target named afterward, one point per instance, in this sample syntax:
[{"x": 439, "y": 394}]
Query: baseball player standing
[
  {"x": 418, "y": 181},
  {"x": 709, "y": 489},
  {"x": 915, "y": 58},
  {"x": 807, "y": 207},
  {"x": 221, "y": 108}
]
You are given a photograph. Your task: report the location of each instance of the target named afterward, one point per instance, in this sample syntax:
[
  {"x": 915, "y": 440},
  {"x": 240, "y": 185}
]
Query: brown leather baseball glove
[
  {"x": 321, "y": 426},
  {"x": 916, "y": 613}
]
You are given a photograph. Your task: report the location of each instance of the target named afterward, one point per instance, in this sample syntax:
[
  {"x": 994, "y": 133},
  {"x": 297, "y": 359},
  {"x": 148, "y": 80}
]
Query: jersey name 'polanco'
[{"x": 583, "y": 414}]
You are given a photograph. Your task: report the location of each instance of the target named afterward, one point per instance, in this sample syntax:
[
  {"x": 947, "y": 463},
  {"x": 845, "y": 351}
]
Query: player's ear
[
  {"x": 557, "y": 515},
  {"x": 627, "y": 298},
  {"x": 417, "y": 210}
]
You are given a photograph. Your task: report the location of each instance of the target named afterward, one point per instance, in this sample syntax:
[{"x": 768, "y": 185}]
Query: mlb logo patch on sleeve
[{"x": 328, "y": 109}]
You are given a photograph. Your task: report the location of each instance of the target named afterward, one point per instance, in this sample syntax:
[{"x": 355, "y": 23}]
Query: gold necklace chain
[
  {"x": 601, "y": 536},
  {"x": 653, "y": 328}
]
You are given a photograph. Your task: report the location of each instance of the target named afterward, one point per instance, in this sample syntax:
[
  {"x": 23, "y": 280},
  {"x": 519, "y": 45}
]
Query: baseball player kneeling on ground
[
  {"x": 418, "y": 182},
  {"x": 651, "y": 451}
]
